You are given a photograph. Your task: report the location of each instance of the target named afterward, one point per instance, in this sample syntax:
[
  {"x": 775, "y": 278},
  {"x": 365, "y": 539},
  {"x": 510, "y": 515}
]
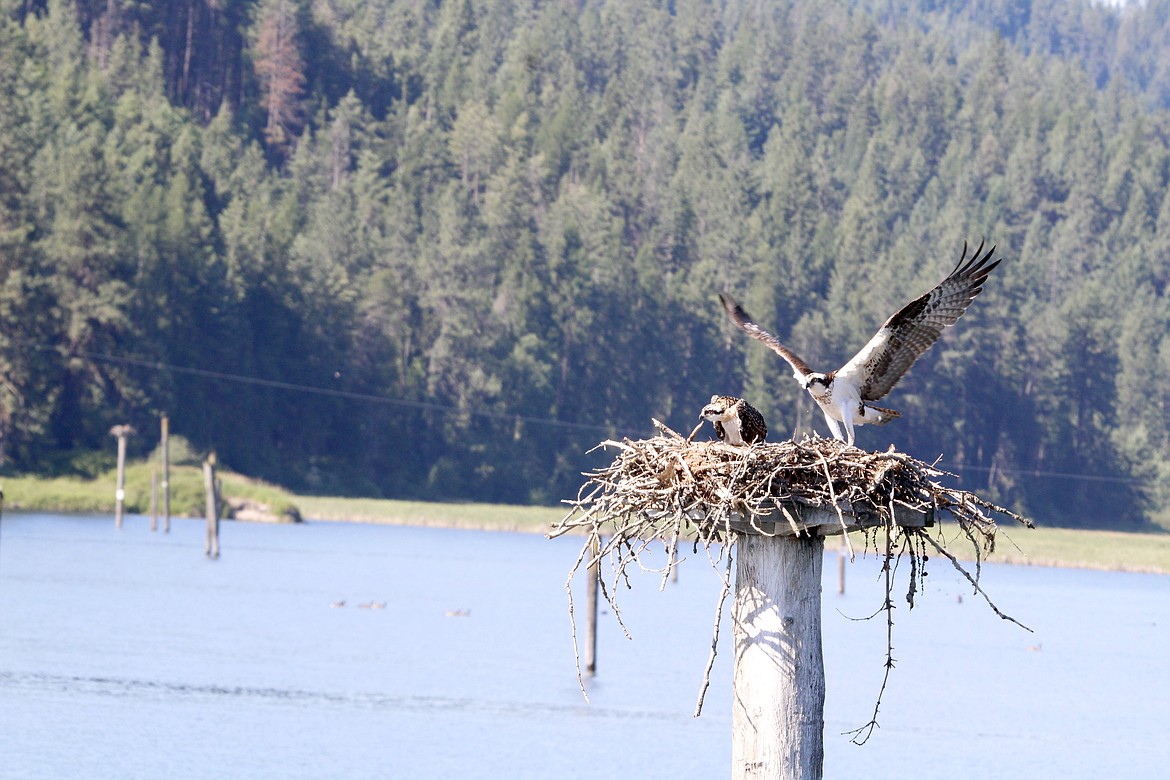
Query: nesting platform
[
  {"x": 667, "y": 485},
  {"x": 795, "y": 519}
]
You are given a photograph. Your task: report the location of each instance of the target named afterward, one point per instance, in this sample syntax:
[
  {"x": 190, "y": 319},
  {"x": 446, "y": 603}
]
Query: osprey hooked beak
[
  {"x": 711, "y": 412},
  {"x": 815, "y": 379}
]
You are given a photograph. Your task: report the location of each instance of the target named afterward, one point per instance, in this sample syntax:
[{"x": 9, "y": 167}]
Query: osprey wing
[
  {"x": 909, "y": 333},
  {"x": 744, "y": 322},
  {"x": 751, "y": 424}
]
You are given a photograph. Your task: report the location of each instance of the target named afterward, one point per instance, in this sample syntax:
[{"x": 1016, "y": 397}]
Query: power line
[
  {"x": 1050, "y": 474},
  {"x": 448, "y": 409},
  {"x": 329, "y": 391}
]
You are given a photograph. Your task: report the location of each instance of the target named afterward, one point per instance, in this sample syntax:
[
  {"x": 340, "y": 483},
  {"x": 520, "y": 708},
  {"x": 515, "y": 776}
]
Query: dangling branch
[
  {"x": 861, "y": 734},
  {"x": 974, "y": 583},
  {"x": 715, "y": 633}
]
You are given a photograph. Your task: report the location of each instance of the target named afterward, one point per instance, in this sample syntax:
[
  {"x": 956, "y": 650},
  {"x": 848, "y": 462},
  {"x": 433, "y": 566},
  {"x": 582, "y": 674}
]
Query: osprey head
[
  {"x": 717, "y": 409},
  {"x": 818, "y": 384}
]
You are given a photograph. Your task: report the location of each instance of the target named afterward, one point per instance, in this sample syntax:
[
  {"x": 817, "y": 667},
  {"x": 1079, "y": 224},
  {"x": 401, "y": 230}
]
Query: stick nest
[
  {"x": 662, "y": 487},
  {"x": 669, "y": 488}
]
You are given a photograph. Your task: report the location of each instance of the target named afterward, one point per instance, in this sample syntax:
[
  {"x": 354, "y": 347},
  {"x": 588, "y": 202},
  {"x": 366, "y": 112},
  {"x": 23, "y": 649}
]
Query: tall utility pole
[{"x": 778, "y": 712}]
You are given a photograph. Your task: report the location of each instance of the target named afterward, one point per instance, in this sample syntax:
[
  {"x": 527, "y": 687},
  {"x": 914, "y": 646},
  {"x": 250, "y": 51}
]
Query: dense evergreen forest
[{"x": 441, "y": 248}]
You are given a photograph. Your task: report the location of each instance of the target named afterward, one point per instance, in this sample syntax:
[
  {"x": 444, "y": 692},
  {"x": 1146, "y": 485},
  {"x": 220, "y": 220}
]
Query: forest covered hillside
[{"x": 441, "y": 249}]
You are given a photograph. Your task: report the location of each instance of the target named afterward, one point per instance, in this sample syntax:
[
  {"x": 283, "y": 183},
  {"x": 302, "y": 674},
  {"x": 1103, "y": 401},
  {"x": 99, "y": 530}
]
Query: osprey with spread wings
[{"x": 845, "y": 395}]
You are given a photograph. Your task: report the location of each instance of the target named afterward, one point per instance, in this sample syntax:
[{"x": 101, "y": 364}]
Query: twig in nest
[{"x": 837, "y": 506}]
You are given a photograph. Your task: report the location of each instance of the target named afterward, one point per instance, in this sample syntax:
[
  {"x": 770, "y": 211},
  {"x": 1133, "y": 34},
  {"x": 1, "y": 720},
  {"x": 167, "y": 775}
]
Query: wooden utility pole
[
  {"x": 164, "y": 448},
  {"x": 121, "y": 432},
  {"x": 779, "y": 680},
  {"x": 211, "y": 546}
]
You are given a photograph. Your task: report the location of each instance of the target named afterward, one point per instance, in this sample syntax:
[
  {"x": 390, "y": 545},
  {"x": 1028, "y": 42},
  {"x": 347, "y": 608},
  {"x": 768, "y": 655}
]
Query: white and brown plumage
[
  {"x": 736, "y": 421},
  {"x": 844, "y": 395}
]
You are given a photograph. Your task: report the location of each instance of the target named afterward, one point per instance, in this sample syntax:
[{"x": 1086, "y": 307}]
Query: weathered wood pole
[
  {"x": 591, "y": 588},
  {"x": 779, "y": 678},
  {"x": 165, "y": 452},
  {"x": 154, "y": 499},
  {"x": 121, "y": 432},
  {"x": 211, "y": 546},
  {"x": 841, "y": 566}
]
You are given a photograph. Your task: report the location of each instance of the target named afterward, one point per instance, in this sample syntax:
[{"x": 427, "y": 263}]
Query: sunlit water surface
[{"x": 127, "y": 654}]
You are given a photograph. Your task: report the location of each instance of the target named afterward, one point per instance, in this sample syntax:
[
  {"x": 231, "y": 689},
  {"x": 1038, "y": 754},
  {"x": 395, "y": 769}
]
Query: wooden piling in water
[
  {"x": 841, "y": 549},
  {"x": 121, "y": 432},
  {"x": 164, "y": 451},
  {"x": 153, "y": 499},
  {"x": 211, "y": 545},
  {"x": 591, "y": 590}
]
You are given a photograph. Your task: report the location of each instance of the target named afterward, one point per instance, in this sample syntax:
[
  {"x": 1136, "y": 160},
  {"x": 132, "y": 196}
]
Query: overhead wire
[
  {"x": 280, "y": 384},
  {"x": 227, "y": 376},
  {"x": 1052, "y": 474}
]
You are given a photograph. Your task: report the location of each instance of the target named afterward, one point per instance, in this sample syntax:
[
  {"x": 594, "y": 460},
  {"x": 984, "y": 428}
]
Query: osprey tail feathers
[{"x": 876, "y": 415}]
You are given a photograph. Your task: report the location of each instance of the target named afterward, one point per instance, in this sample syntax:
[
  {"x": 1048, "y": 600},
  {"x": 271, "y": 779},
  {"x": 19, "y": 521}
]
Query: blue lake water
[{"x": 127, "y": 654}]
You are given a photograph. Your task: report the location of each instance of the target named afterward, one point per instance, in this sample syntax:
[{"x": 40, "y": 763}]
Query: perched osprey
[
  {"x": 844, "y": 394},
  {"x": 736, "y": 421}
]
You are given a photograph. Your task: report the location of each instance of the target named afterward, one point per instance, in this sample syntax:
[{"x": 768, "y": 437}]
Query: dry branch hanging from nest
[{"x": 669, "y": 489}]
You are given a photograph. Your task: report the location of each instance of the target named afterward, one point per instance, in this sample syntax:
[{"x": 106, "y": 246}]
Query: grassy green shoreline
[
  {"x": 1061, "y": 547},
  {"x": 1091, "y": 549}
]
